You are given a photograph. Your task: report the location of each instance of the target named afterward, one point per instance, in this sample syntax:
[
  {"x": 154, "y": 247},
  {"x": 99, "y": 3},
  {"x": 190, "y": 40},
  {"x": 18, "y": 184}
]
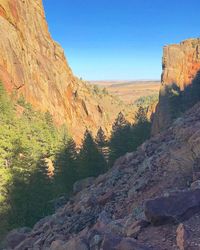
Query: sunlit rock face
[
  {"x": 181, "y": 64},
  {"x": 33, "y": 65}
]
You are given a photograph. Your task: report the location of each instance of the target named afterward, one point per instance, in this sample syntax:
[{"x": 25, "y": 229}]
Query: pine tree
[
  {"x": 119, "y": 123},
  {"x": 140, "y": 116},
  {"x": 66, "y": 167},
  {"x": 91, "y": 160},
  {"x": 6, "y": 107},
  {"x": 102, "y": 143},
  {"x": 141, "y": 129},
  {"x": 120, "y": 142},
  {"x": 25, "y": 187},
  {"x": 29, "y": 192},
  {"x": 100, "y": 138},
  {"x": 40, "y": 193},
  {"x": 17, "y": 197},
  {"x": 49, "y": 121}
]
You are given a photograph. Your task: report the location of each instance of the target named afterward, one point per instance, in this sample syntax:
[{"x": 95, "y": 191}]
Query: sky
[{"x": 120, "y": 39}]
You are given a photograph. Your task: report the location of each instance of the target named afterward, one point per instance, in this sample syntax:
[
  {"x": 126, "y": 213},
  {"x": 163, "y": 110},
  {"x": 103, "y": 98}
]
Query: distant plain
[{"x": 130, "y": 91}]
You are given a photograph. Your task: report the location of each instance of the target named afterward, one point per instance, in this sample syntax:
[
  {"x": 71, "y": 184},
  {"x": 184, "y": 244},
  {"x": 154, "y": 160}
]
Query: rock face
[
  {"x": 181, "y": 65},
  {"x": 106, "y": 215},
  {"x": 33, "y": 65}
]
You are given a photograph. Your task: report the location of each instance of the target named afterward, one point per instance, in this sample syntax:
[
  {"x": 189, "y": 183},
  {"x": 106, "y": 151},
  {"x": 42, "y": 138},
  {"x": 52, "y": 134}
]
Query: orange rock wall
[
  {"x": 181, "y": 63},
  {"x": 33, "y": 65}
]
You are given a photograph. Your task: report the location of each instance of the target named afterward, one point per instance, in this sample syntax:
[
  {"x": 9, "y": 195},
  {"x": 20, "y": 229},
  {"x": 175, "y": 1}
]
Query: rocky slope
[
  {"x": 33, "y": 65},
  {"x": 148, "y": 200},
  {"x": 181, "y": 65}
]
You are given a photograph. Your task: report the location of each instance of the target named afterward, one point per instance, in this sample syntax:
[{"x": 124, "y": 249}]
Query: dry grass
[{"x": 130, "y": 91}]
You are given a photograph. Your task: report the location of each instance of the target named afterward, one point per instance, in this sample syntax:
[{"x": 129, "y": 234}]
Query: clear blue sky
[{"x": 120, "y": 39}]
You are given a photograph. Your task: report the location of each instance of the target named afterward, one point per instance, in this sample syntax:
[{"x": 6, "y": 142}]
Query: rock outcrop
[
  {"x": 110, "y": 214},
  {"x": 33, "y": 65},
  {"x": 181, "y": 65},
  {"x": 174, "y": 208}
]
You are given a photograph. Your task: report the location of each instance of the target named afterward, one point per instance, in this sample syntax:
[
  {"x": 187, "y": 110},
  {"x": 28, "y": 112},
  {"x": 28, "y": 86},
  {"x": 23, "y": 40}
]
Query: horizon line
[{"x": 123, "y": 80}]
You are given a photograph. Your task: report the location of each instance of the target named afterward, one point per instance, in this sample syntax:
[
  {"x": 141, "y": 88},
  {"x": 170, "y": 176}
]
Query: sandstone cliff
[
  {"x": 33, "y": 65},
  {"x": 115, "y": 213},
  {"x": 181, "y": 65}
]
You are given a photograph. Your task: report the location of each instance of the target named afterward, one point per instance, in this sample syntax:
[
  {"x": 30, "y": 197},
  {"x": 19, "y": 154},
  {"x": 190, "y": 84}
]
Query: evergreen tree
[
  {"x": 102, "y": 143},
  {"x": 120, "y": 142},
  {"x": 28, "y": 196},
  {"x": 6, "y": 107},
  {"x": 49, "y": 121},
  {"x": 66, "y": 167},
  {"x": 91, "y": 160},
  {"x": 40, "y": 193},
  {"x": 17, "y": 197},
  {"x": 141, "y": 129},
  {"x": 126, "y": 138},
  {"x": 101, "y": 138},
  {"x": 25, "y": 137},
  {"x": 29, "y": 191},
  {"x": 119, "y": 123},
  {"x": 140, "y": 116}
]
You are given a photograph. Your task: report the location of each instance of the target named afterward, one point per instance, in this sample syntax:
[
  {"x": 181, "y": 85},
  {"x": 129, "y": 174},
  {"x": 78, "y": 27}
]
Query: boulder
[
  {"x": 95, "y": 242},
  {"x": 195, "y": 184},
  {"x": 114, "y": 242},
  {"x": 103, "y": 199},
  {"x": 139, "y": 185},
  {"x": 76, "y": 244},
  {"x": 182, "y": 236},
  {"x": 131, "y": 244},
  {"x": 16, "y": 236},
  {"x": 57, "y": 245},
  {"x": 110, "y": 242},
  {"x": 175, "y": 208},
  {"x": 196, "y": 175},
  {"x": 82, "y": 184},
  {"x": 135, "y": 228}
]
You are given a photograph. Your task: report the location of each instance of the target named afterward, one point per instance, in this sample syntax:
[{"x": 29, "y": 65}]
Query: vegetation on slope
[
  {"x": 29, "y": 141},
  {"x": 146, "y": 101},
  {"x": 27, "y": 138}
]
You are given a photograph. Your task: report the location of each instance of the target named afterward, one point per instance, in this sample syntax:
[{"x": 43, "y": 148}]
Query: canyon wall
[
  {"x": 33, "y": 65},
  {"x": 181, "y": 65}
]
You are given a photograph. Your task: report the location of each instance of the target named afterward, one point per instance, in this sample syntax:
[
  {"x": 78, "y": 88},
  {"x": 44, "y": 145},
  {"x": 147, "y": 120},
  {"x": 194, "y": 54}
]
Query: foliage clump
[
  {"x": 26, "y": 140},
  {"x": 146, "y": 101},
  {"x": 126, "y": 137}
]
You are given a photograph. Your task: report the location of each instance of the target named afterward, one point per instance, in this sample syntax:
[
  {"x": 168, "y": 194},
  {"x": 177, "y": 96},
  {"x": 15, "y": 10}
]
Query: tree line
[
  {"x": 28, "y": 187},
  {"x": 98, "y": 154}
]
